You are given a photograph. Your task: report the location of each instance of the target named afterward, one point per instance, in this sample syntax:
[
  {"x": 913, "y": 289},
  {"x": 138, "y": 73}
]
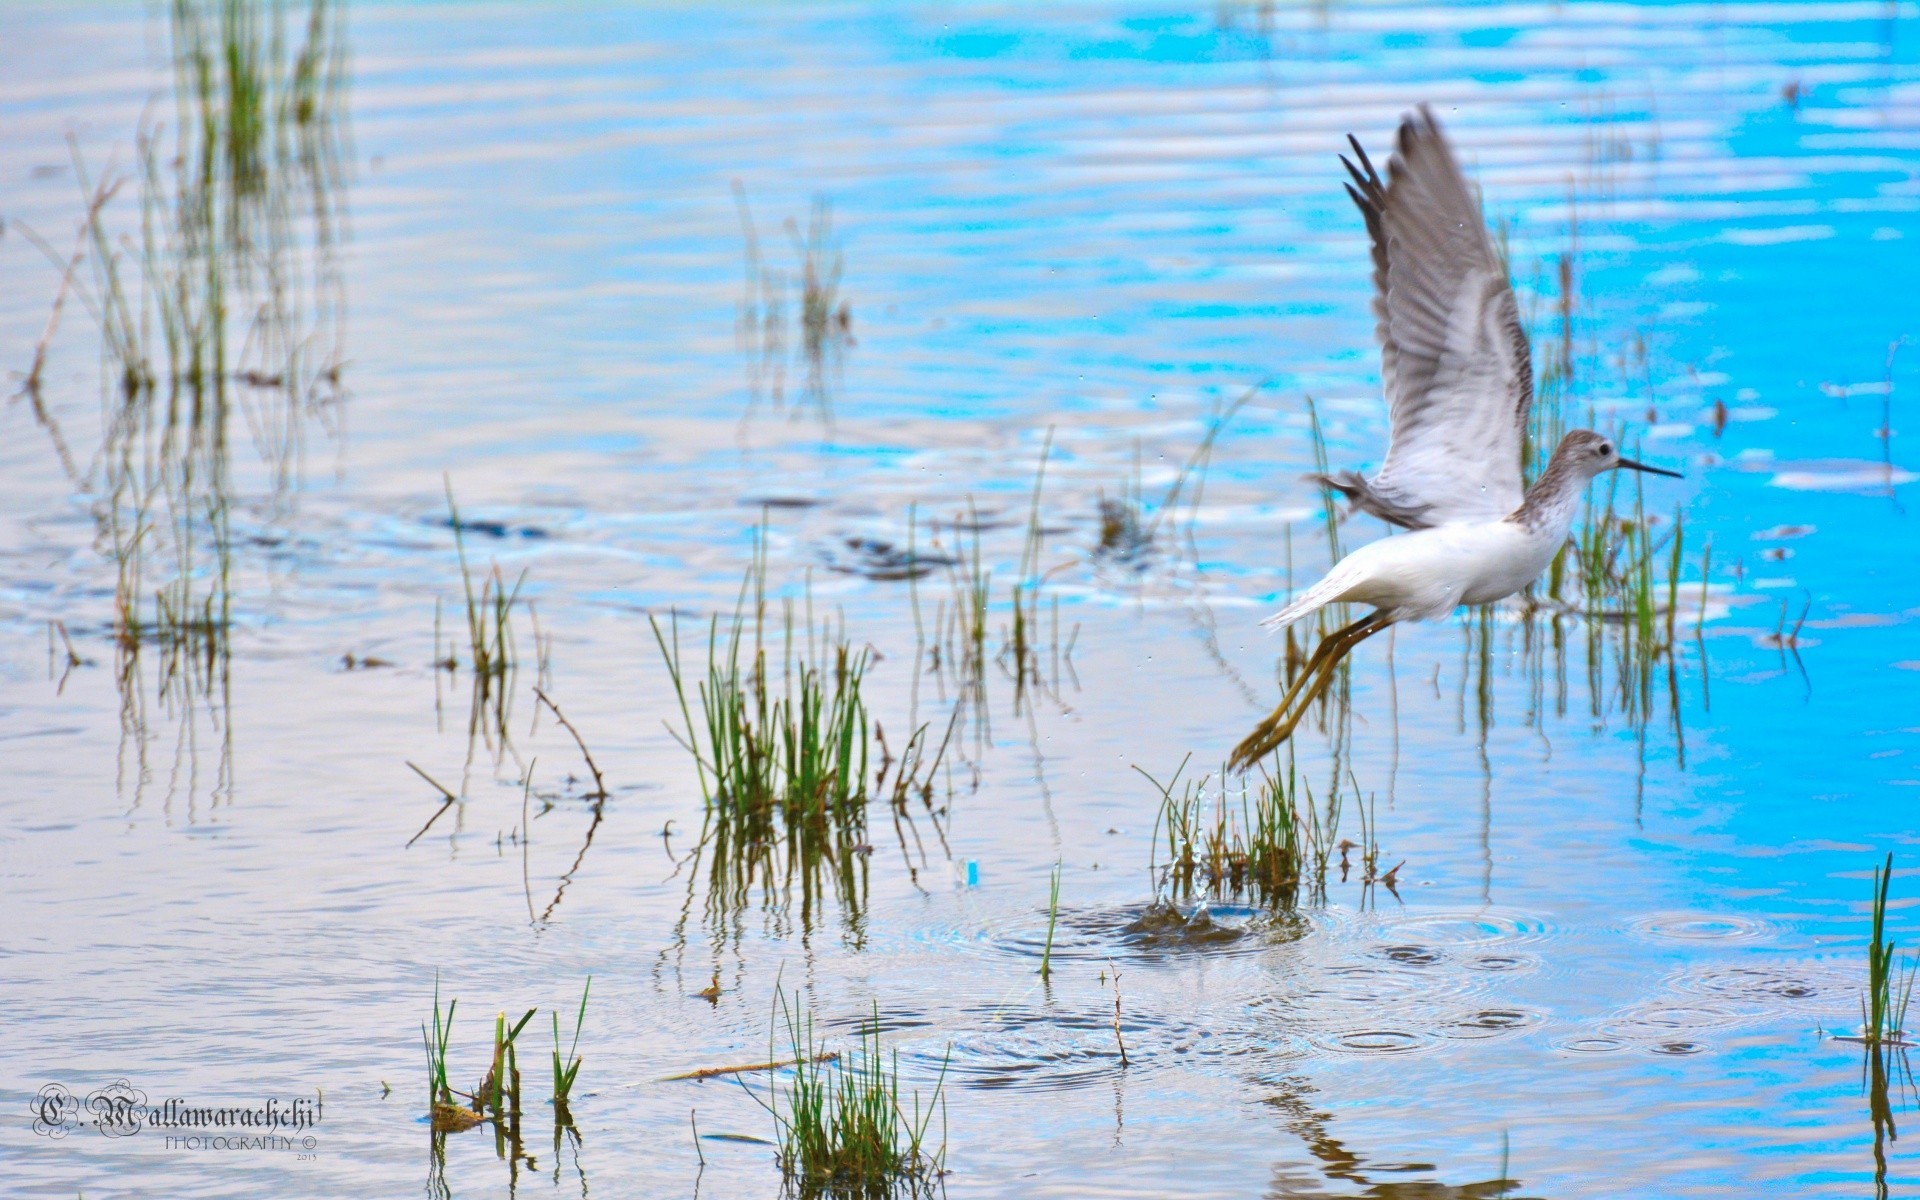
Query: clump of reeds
[
  {"x": 844, "y": 1128},
  {"x": 1261, "y": 850},
  {"x": 781, "y": 737},
  {"x": 782, "y": 731},
  {"x": 497, "y": 1097},
  {"x": 567, "y": 1069}
]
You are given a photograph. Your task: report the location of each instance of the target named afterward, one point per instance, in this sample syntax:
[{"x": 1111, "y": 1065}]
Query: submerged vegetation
[{"x": 845, "y": 1127}]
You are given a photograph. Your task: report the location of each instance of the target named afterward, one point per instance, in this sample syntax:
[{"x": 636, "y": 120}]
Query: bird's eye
[{"x": 1605, "y": 448}]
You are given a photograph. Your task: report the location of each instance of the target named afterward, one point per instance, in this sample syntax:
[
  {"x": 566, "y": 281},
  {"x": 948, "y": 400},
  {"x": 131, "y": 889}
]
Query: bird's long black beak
[{"x": 1640, "y": 466}]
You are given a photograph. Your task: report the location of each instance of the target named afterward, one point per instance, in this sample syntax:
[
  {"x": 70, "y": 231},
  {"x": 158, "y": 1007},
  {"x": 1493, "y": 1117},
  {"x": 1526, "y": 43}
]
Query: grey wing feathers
[{"x": 1454, "y": 359}]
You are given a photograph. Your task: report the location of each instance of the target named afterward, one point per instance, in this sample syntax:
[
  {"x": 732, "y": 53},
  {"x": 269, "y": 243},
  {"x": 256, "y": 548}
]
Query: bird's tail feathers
[
  {"x": 1369, "y": 499},
  {"x": 1325, "y": 592}
]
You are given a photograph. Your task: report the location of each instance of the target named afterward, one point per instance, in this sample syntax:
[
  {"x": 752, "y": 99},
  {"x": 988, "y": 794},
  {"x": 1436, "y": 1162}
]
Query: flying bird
[{"x": 1457, "y": 371}]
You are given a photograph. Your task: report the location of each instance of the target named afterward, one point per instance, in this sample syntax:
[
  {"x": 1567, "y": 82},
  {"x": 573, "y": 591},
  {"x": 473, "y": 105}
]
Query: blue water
[{"x": 1105, "y": 220}]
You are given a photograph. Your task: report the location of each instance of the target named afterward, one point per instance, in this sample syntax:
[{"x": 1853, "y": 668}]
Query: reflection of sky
[{"x": 1104, "y": 222}]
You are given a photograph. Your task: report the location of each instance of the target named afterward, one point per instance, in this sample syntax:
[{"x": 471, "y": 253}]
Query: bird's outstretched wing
[{"x": 1454, "y": 359}]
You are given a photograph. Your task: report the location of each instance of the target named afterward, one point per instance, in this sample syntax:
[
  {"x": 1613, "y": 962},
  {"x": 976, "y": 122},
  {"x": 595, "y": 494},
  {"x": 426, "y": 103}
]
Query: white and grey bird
[{"x": 1457, "y": 371}]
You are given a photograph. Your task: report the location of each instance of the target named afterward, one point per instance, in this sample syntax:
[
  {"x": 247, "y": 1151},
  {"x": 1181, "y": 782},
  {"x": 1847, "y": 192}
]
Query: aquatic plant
[
  {"x": 490, "y": 643},
  {"x": 566, "y": 1070},
  {"x": 843, "y": 1127},
  {"x": 439, "y": 1091},
  {"x": 1277, "y": 839},
  {"x": 781, "y": 738},
  {"x": 1053, "y": 919},
  {"x": 1883, "y": 1007},
  {"x": 498, "y": 1093}
]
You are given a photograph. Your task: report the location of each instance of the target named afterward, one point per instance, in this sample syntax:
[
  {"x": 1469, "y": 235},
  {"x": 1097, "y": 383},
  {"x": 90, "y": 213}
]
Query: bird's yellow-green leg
[
  {"x": 1280, "y": 723},
  {"x": 1307, "y": 671}
]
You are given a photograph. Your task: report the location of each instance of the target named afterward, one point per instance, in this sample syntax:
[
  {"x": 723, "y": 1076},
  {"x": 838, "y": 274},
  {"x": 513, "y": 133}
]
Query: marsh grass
[
  {"x": 436, "y": 1039},
  {"x": 1262, "y": 850},
  {"x": 490, "y": 642},
  {"x": 498, "y": 1093},
  {"x": 499, "y": 1097},
  {"x": 781, "y": 737},
  {"x": 566, "y": 1070},
  {"x": 844, "y": 1126},
  {"x": 1030, "y": 652},
  {"x": 1883, "y": 1006},
  {"x": 1053, "y": 920}
]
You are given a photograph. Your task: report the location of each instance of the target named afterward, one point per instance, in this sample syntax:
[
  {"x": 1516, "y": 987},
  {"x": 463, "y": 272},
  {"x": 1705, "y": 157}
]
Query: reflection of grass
[
  {"x": 843, "y": 1127},
  {"x": 221, "y": 307},
  {"x": 826, "y": 318}
]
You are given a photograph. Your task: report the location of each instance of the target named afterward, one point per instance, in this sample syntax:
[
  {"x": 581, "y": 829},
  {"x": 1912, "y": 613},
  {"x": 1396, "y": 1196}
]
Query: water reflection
[
  {"x": 1887, "y": 1078},
  {"x": 761, "y": 328},
  {"x": 1345, "y": 1168},
  {"x": 222, "y": 306}
]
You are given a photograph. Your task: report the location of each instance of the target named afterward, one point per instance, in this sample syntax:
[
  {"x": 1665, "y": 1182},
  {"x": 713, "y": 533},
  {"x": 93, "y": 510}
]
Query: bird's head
[{"x": 1587, "y": 454}]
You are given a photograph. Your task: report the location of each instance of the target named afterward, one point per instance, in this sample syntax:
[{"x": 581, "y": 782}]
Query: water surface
[{"x": 1614, "y": 945}]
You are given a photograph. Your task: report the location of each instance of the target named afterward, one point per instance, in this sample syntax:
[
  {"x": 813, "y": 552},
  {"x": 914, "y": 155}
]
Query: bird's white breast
[{"x": 1428, "y": 573}]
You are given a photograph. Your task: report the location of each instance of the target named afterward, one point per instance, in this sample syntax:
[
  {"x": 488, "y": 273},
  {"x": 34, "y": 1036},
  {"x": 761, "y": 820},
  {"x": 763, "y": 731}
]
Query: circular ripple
[
  {"x": 1411, "y": 956},
  {"x": 1594, "y": 1044},
  {"x": 1373, "y": 1041},
  {"x": 1152, "y": 931},
  {"x": 1500, "y": 962},
  {"x": 1700, "y": 927},
  {"x": 1478, "y": 927},
  {"x": 1678, "y": 1047},
  {"x": 1043, "y": 1050},
  {"x": 1785, "y": 988},
  {"x": 1659, "y": 1020},
  {"x": 1491, "y": 1023}
]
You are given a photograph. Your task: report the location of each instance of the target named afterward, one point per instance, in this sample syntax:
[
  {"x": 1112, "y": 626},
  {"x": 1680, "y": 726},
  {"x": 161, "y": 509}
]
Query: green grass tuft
[{"x": 844, "y": 1129}]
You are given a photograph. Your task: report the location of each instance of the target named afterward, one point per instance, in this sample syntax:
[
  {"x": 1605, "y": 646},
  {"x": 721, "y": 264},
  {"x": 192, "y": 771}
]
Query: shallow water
[{"x": 1613, "y": 946}]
